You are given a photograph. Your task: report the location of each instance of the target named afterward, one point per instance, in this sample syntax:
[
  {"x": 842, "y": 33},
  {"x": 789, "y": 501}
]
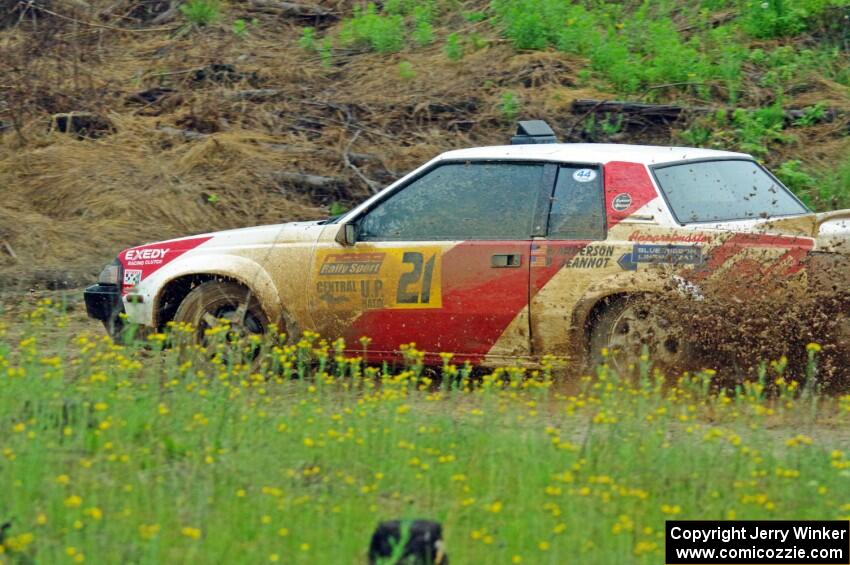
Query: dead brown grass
[
  {"x": 67, "y": 206},
  {"x": 70, "y": 205}
]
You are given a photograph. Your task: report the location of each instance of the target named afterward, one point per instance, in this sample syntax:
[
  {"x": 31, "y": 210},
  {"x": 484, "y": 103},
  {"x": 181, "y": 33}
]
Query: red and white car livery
[{"x": 495, "y": 254}]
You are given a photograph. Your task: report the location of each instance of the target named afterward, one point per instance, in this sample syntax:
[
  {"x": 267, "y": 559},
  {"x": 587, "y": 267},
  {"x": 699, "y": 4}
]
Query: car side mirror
[{"x": 347, "y": 235}]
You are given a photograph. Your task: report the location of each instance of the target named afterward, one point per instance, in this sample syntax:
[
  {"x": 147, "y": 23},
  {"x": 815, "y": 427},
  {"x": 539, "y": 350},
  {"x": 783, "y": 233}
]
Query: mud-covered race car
[{"x": 498, "y": 255}]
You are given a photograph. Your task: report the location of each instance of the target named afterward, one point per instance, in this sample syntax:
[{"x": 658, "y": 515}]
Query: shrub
[
  {"x": 835, "y": 185},
  {"x": 240, "y": 29},
  {"x": 696, "y": 136},
  {"x": 453, "y": 49},
  {"x": 631, "y": 50},
  {"x": 325, "y": 50},
  {"x": 405, "y": 70},
  {"x": 510, "y": 105},
  {"x": 474, "y": 17},
  {"x": 308, "y": 39},
  {"x": 785, "y": 18},
  {"x": 751, "y": 131},
  {"x": 822, "y": 190},
  {"x": 793, "y": 176},
  {"x": 612, "y": 125},
  {"x": 635, "y": 48},
  {"x": 201, "y": 13},
  {"x": 337, "y": 209},
  {"x": 832, "y": 187},
  {"x": 423, "y": 32},
  {"x": 527, "y": 23},
  {"x": 757, "y": 129},
  {"x": 811, "y": 115},
  {"x": 773, "y": 18},
  {"x": 379, "y": 32}
]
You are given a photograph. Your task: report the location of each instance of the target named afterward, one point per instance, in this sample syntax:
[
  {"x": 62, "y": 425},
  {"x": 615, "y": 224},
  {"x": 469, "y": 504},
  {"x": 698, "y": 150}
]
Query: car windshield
[{"x": 724, "y": 190}]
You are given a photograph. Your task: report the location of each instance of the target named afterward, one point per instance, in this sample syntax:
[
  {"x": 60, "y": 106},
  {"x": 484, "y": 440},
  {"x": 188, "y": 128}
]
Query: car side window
[
  {"x": 578, "y": 208},
  {"x": 463, "y": 201}
]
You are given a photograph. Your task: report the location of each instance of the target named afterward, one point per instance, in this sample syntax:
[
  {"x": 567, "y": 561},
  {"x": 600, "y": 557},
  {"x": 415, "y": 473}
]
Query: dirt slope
[{"x": 206, "y": 129}]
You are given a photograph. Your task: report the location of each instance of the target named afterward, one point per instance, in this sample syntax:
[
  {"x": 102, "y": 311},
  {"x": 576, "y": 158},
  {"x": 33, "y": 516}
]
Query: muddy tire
[
  {"x": 213, "y": 300},
  {"x": 626, "y": 325}
]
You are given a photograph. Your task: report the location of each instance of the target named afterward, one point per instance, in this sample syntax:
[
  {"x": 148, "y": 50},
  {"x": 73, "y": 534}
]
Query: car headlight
[{"x": 111, "y": 274}]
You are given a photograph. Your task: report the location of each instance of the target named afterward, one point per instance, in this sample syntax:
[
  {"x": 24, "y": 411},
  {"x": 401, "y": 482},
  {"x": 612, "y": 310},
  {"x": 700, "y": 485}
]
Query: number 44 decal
[{"x": 414, "y": 286}]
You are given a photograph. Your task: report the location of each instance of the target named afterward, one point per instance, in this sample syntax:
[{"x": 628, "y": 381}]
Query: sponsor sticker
[
  {"x": 352, "y": 264},
  {"x": 641, "y": 237},
  {"x": 540, "y": 255},
  {"x": 143, "y": 261},
  {"x": 584, "y": 175},
  {"x": 621, "y": 202},
  {"x": 132, "y": 277},
  {"x": 149, "y": 256},
  {"x": 661, "y": 254},
  {"x": 671, "y": 254},
  {"x": 376, "y": 279}
]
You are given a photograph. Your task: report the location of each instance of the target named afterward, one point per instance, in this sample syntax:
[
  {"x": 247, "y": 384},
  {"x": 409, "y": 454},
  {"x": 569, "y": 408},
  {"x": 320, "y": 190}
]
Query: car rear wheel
[
  {"x": 628, "y": 325},
  {"x": 212, "y": 301}
]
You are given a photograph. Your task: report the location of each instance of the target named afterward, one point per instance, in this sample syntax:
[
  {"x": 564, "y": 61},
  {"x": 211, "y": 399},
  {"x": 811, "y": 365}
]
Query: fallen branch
[
  {"x": 85, "y": 125},
  {"x": 671, "y": 85},
  {"x": 714, "y": 21},
  {"x": 287, "y": 148},
  {"x": 79, "y": 4},
  {"x": 167, "y": 15},
  {"x": 829, "y": 114},
  {"x": 190, "y": 135},
  {"x": 102, "y": 26},
  {"x": 9, "y": 250},
  {"x": 255, "y": 95},
  {"x": 184, "y": 133},
  {"x": 668, "y": 112},
  {"x": 292, "y": 9},
  {"x": 304, "y": 179},
  {"x": 373, "y": 186},
  {"x": 151, "y": 95}
]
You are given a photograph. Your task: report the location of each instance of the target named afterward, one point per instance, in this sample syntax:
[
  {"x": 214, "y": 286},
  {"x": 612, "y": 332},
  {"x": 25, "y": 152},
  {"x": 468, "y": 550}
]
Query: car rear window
[
  {"x": 724, "y": 190},
  {"x": 577, "y": 204}
]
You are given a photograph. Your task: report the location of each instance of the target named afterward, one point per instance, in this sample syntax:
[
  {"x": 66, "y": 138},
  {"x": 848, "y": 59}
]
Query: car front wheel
[{"x": 213, "y": 301}]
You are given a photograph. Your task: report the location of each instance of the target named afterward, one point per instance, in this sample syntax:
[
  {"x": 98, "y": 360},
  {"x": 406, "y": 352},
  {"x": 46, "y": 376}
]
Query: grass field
[{"x": 180, "y": 455}]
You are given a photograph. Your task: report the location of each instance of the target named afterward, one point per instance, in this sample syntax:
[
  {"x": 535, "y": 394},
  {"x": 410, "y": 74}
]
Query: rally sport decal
[{"x": 380, "y": 278}]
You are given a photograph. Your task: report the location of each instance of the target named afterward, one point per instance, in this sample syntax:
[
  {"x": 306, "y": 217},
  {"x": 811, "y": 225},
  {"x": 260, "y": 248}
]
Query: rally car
[{"x": 498, "y": 255}]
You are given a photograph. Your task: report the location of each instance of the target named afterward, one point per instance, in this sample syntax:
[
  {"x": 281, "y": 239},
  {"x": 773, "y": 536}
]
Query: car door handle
[{"x": 505, "y": 260}]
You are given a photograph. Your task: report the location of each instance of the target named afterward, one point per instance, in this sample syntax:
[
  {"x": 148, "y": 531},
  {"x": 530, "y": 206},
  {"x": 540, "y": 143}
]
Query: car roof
[{"x": 591, "y": 153}]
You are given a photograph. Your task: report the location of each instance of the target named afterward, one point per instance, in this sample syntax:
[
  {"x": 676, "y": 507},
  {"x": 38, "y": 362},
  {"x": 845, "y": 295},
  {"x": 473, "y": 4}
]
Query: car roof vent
[{"x": 533, "y": 131}]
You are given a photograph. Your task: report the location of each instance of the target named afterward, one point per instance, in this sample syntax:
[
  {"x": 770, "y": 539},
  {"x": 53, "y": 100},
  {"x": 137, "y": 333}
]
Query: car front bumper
[{"x": 103, "y": 302}]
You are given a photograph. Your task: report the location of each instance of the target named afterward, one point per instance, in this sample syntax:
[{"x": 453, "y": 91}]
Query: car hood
[
  {"x": 144, "y": 260},
  {"x": 291, "y": 232}
]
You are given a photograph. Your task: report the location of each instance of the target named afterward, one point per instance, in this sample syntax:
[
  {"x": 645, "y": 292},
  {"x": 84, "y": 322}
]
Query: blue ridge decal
[{"x": 661, "y": 254}]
